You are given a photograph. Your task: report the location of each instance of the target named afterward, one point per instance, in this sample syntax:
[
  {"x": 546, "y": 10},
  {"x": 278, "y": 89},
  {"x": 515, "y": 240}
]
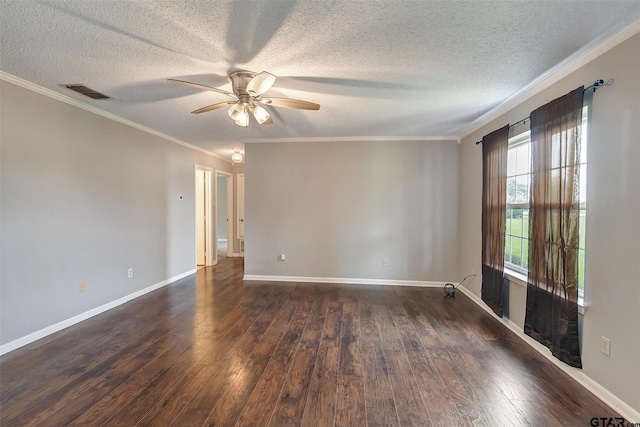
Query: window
[{"x": 516, "y": 253}]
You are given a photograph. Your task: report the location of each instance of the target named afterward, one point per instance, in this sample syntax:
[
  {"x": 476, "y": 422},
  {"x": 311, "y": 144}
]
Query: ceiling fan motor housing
[{"x": 239, "y": 82}]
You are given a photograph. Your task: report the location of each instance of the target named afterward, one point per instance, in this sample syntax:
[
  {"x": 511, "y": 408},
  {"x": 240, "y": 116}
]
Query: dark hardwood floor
[{"x": 212, "y": 350}]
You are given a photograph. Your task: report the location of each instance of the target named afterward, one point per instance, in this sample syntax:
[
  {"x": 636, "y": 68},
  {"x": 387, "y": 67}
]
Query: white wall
[
  {"x": 84, "y": 198},
  {"x": 337, "y": 209},
  {"x": 612, "y": 273}
]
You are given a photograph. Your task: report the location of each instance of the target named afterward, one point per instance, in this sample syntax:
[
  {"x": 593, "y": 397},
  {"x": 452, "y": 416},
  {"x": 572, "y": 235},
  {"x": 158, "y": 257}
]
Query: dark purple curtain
[
  {"x": 554, "y": 214},
  {"x": 494, "y": 205}
]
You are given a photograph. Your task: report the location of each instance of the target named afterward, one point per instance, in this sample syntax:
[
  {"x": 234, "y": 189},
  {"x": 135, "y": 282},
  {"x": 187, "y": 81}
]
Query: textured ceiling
[{"x": 378, "y": 68}]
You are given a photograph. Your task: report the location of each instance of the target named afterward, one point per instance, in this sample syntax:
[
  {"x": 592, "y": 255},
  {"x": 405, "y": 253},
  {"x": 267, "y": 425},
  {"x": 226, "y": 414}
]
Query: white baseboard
[
  {"x": 344, "y": 280},
  {"x": 222, "y": 240},
  {"x": 602, "y": 393},
  {"x": 236, "y": 255},
  {"x": 27, "y": 339}
]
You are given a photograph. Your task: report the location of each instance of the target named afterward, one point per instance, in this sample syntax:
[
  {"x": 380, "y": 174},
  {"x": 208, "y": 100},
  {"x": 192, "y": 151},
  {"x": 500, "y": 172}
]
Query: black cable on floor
[{"x": 450, "y": 288}]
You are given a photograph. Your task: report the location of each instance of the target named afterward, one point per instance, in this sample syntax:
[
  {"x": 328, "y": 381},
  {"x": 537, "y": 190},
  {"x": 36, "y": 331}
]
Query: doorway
[
  {"x": 224, "y": 215},
  {"x": 204, "y": 231}
]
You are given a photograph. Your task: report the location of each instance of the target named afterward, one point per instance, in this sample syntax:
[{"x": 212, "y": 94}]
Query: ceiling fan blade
[
  {"x": 290, "y": 103},
  {"x": 260, "y": 83},
  {"x": 269, "y": 121},
  {"x": 212, "y": 107},
  {"x": 203, "y": 87}
]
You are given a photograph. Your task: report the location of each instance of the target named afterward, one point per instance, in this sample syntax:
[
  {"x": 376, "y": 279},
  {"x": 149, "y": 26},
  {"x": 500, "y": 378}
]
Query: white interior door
[
  {"x": 201, "y": 215},
  {"x": 240, "y": 202},
  {"x": 222, "y": 218},
  {"x": 224, "y": 214}
]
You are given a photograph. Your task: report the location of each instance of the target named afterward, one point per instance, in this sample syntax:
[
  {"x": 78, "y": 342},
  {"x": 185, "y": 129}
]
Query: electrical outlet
[
  {"x": 83, "y": 286},
  {"x": 130, "y": 273},
  {"x": 605, "y": 346},
  {"x": 385, "y": 262}
]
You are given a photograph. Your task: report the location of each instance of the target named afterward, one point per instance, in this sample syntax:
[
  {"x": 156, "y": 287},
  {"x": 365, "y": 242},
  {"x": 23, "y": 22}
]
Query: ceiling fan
[{"x": 248, "y": 88}]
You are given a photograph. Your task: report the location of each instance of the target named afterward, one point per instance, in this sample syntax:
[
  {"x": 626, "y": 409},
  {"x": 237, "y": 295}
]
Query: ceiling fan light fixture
[
  {"x": 243, "y": 121},
  {"x": 261, "y": 115},
  {"x": 238, "y": 112},
  {"x": 237, "y": 157}
]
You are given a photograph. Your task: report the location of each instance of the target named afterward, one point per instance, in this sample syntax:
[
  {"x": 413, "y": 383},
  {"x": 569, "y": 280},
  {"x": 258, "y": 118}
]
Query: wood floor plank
[
  {"x": 259, "y": 407},
  {"x": 321, "y": 403},
  {"x": 177, "y": 397},
  {"x": 85, "y": 353},
  {"x": 333, "y": 325},
  {"x": 151, "y": 396},
  {"x": 112, "y": 402},
  {"x": 291, "y": 403},
  {"x": 350, "y": 404},
  {"x": 447, "y": 403},
  {"x": 350, "y": 351},
  {"x": 537, "y": 415},
  {"x": 409, "y": 403},
  {"x": 84, "y": 391},
  {"x": 380, "y": 405},
  {"x": 232, "y": 329},
  {"x": 495, "y": 404},
  {"x": 212, "y": 349},
  {"x": 229, "y": 369},
  {"x": 238, "y": 387}
]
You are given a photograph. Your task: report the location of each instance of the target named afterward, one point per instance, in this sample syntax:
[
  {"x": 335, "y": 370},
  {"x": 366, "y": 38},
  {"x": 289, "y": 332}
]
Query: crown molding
[
  {"x": 74, "y": 102},
  {"x": 351, "y": 139},
  {"x": 551, "y": 77}
]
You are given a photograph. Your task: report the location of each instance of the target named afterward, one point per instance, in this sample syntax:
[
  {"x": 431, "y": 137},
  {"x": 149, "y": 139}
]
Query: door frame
[
  {"x": 209, "y": 231},
  {"x": 230, "y": 235}
]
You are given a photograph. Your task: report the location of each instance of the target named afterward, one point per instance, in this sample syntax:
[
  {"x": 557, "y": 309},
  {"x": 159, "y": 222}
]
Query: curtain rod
[{"x": 598, "y": 83}]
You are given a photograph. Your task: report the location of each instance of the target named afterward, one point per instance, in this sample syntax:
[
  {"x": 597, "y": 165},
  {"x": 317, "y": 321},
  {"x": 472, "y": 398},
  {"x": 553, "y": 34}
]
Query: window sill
[{"x": 521, "y": 280}]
